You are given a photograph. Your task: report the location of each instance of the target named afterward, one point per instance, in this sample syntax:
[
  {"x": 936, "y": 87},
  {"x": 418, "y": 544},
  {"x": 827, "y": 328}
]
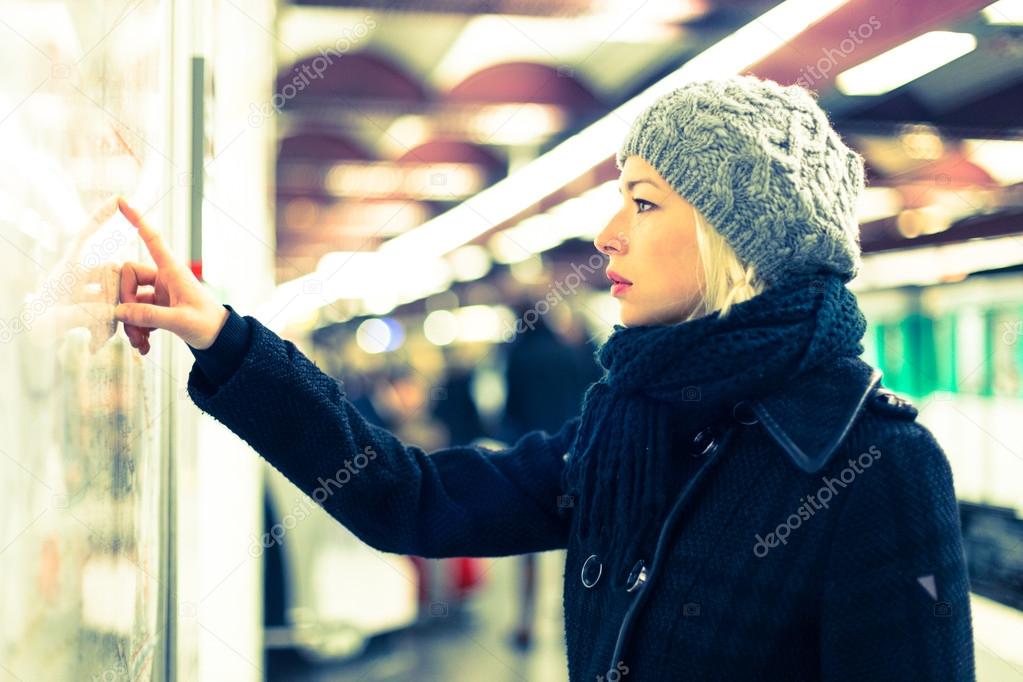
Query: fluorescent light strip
[
  {"x": 591, "y": 146},
  {"x": 904, "y": 63},
  {"x": 930, "y": 264},
  {"x": 1008, "y": 12},
  {"x": 545, "y": 174}
]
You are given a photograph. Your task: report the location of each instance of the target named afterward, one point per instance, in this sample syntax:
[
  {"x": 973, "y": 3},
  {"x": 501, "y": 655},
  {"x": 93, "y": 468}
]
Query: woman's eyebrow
[{"x": 632, "y": 183}]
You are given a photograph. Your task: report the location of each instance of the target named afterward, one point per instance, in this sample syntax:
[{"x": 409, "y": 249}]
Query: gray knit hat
[{"x": 762, "y": 163}]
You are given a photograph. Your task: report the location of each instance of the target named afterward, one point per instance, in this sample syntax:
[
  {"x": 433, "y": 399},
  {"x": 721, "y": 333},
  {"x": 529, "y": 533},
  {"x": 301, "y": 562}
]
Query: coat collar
[{"x": 811, "y": 416}]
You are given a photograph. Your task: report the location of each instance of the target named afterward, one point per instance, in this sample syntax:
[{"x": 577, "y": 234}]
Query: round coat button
[
  {"x": 637, "y": 577},
  {"x": 743, "y": 413},
  {"x": 592, "y": 570},
  {"x": 703, "y": 442}
]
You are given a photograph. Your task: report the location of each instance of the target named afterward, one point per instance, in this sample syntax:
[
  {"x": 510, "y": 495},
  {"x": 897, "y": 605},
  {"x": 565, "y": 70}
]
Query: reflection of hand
[
  {"x": 174, "y": 299},
  {"x": 91, "y": 307},
  {"x": 76, "y": 294}
]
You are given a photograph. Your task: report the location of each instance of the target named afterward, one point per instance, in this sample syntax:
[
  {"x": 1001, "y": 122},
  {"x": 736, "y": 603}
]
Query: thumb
[{"x": 146, "y": 315}]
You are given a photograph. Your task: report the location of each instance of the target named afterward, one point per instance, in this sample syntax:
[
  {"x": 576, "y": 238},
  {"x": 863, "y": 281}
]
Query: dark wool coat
[{"x": 817, "y": 539}]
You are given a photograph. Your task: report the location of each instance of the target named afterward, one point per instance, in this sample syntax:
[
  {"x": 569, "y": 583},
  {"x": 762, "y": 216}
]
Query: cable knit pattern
[{"x": 763, "y": 164}]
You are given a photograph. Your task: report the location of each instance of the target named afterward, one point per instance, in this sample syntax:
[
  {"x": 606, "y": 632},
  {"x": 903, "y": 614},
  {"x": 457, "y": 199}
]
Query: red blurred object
[{"x": 468, "y": 574}]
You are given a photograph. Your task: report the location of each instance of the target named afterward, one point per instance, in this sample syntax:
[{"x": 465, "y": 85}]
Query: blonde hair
[{"x": 726, "y": 281}]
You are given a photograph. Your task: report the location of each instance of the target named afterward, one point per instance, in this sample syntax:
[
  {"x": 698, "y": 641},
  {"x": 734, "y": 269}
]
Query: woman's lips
[{"x": 619, "y": 285}]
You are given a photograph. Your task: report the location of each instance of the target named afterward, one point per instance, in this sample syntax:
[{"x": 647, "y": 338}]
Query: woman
[{"x": 739, "y": 498}]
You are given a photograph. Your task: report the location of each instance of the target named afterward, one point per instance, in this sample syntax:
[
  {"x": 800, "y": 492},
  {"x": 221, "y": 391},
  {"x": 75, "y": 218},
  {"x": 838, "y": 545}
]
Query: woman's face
[{"x": 651, "y": 244}]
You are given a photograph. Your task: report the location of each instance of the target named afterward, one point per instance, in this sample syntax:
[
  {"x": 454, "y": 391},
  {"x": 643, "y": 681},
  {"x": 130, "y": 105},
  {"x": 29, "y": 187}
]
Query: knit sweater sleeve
[
  {"x": 896, "y": 602},
  {"x": 458, "y": 501}
]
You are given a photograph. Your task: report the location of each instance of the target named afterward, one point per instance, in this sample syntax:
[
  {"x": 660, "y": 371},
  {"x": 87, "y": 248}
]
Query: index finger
[{"x": 154, "y": 243}]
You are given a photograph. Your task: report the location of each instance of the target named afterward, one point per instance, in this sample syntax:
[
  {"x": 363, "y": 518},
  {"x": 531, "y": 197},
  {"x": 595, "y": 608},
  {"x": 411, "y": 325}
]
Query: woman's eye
[{"x": 641, "y": 203}]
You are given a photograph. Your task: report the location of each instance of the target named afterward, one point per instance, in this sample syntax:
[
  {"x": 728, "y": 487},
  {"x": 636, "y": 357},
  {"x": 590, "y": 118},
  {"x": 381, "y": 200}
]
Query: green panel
[
  {"x": 1018, "y": 343},
  {"x": 870, "y": 354},
  {"x": 921, "y": 370},
  {"x": 892, "y": 349},
  {"x": 945, "y": 353},
  {"x": 990, "y": 319}
]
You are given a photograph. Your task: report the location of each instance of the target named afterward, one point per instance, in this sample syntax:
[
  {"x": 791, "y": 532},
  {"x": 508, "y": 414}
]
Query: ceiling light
[
  {"x": 1004, "y": 12},
  {"x": 592, "y": 145},
  {"x": 407, "y": 132},
  {"x": 373, "y": 336},
  {"x": 469, "y": 262},
  {"x": 440, "y": 327},
  {"x": 516, "y": 124},
  {"x": 904, "y": 63},
  {"x": 878, "y": 202},
  {"x": 1002, "y": 159},
  {"x": 921, "y": 142}
]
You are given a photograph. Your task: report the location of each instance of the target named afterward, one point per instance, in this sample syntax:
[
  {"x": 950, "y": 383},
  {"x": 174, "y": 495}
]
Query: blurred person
[
  {"x": 545, "y": 385},
  {"x": 572, "y": 329},
  {"x": 359, "y": 389},
  {"x": 740, "y": 498},
  {"x": 453, "y": 403},
  {"x": 544, "y": 380}
]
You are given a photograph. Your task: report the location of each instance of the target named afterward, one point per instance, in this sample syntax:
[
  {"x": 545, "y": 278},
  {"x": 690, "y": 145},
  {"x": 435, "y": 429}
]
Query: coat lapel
[{"x": 810, "y": 417}]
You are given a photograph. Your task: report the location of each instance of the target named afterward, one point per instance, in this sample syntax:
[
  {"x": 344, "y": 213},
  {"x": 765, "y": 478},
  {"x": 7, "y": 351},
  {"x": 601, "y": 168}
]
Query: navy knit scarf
[{"x": 666, "y": 382}]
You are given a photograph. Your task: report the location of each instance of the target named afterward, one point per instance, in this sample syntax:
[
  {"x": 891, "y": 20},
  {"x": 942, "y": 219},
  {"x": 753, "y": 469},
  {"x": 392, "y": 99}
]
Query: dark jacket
[{"x": 758, "y": 574}]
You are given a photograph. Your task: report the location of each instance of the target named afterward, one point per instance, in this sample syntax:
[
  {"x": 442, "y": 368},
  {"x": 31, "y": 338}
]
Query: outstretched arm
[
  {"x": 458, "y": 501},
  {"x": 461, "y": 501}
]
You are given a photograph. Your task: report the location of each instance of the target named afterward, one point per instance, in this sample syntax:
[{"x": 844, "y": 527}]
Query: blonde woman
[{"x": 739, "y": 497}]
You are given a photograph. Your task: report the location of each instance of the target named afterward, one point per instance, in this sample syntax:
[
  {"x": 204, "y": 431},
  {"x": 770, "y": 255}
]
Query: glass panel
[
  {"x": 81, "y": 578},
  {"x": 892, "y": 348},
  {"x": 870, "y": 347},
  {"x": 970, "y": 347},
  {"x": 945, "y": 353}
]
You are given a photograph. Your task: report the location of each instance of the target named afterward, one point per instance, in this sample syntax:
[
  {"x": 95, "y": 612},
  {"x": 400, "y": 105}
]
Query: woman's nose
[{"x": 611, "y": 240}]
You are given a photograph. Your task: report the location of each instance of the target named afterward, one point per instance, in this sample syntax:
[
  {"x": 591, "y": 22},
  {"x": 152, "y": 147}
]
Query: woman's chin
[{"x": 632, "y": 315}]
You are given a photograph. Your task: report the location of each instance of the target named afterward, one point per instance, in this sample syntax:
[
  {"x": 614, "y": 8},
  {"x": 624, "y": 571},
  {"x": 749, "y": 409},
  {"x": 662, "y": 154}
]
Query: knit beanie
[{"x": 762, "y": 163}]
